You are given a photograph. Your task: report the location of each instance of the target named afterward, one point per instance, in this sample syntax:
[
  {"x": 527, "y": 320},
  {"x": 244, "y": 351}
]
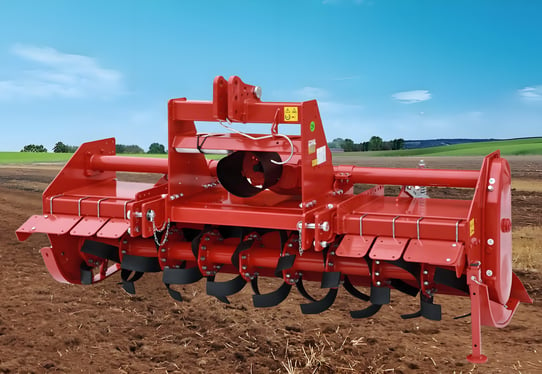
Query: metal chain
[
  {"x": 155, "y": 230},
  {"x": 299, "y": 240}
]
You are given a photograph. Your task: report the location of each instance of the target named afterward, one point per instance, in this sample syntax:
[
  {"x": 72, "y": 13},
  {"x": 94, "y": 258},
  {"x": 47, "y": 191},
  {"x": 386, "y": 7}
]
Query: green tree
[
  {"x": 60, "y": 148},
  {"x": 34, "y": 148},
  {"x": 156, "y": 148},
  {"x": 348, "y": 145},
  {"x": 375, "y": 143}
]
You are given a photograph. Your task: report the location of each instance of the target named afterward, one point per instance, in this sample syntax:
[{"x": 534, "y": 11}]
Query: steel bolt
[
  {"x": 490, "y": 241},
  {"x": 425, "y": 272},
  {"x": 244, "y": 257},
  {"x": 489, "y": 273},
  {"x": 202, "y": 258},
  {"x": 426, "y": 283},
  {"x": 257, "y": 92},
  {"x": 377, "y": 274},
  {"x": 448, "y": 259},
  {"x": 163, "y": 250},
  {"x": 208, "y": 272},
  {"x": 203, "y": 247},
  {"x": 288, "y": 275},
  {"x": 123, "y": 251},
  {"x": 330, "y": 206},
  {"x": 491, "y": 180},
  {"x": 204, "y": 267},
  {"x": 330, "y": 263},
  {"x": 490, "y": 188},
  {"x": 244, "y": 267},
  {"x": 164, "y": 260},
  {"x": 378, "y": 283},
  {"x": 377, "y": 262}
]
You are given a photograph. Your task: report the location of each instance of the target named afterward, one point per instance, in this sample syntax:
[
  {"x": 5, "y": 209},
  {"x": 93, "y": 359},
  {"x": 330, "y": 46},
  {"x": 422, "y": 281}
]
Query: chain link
[{"x": 155, "y": 230}]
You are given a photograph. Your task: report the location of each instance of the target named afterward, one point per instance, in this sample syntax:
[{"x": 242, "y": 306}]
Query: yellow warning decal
[
  {"x": 314, "y": 162},
  {"x": 472, "y": 229},
  {"x": 291, "y": 114}
]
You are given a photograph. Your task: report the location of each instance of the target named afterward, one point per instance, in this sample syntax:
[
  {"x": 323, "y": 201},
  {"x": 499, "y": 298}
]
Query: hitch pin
[{"x": 324, "y": 226}]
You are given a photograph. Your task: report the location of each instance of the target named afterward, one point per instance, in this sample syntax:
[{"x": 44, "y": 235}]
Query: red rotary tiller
[{"x": 276, "y": 206}]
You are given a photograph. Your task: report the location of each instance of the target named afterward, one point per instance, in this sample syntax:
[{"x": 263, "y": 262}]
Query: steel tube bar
[
  {"x": 408, "y": 177},
  {"x": 129, "y": 164}
]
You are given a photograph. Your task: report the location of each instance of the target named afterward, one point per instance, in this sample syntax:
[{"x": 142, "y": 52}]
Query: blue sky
[{"x": 75, "y": 71}]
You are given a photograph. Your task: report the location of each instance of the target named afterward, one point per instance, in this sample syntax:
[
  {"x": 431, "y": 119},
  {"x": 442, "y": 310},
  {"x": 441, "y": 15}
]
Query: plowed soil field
[{"x": 47, "y": 326}]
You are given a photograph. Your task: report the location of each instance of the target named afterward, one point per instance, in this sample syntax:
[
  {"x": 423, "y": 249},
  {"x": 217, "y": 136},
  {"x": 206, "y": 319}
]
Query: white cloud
[
  {"x": 411, "y": 97},
  {"x": 533, "y": 93},
  {"x": 58, "y": 74}
]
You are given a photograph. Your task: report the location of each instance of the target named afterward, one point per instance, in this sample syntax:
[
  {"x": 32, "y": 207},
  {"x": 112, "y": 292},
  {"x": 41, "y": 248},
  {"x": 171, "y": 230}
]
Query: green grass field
[
  {"x": 507, "y": 147},
  {"x": 518, "y": 147}
]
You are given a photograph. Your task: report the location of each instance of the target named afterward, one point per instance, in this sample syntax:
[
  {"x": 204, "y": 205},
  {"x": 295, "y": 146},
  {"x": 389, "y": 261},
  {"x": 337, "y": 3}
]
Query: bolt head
[
  {"x": 257, "y": 92},
  {"x": 330, "y": 206},
  {"x": 490, "y": 188},
  {"x": 426, "y": 283},
  {"x": 490, "y": 241},
  {"x": 489, "y": 273},
  {"x": 377, "y": 262},
  {"x": 377, "y": 274},
  {"x": 491, "y": 180},
  {"x": 425, "y": 272},
  {"x": 378, "y": 283}
]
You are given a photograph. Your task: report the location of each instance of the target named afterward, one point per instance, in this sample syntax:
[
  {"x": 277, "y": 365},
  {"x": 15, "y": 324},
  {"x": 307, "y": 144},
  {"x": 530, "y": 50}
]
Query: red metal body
[{"x": 277, "y": 206}]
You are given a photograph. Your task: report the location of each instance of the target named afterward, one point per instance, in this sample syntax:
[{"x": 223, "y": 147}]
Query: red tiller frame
[{"x": 372, "y": 238}]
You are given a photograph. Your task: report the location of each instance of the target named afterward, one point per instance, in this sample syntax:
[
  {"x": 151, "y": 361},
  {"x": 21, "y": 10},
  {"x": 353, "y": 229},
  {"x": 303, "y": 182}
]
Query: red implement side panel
[
  {"x": 355, "y": 246},
  {"x": 88, "y": 226},
  {"x": 57, "y": 224},
  {"x": 388, "y": 249},
  {"x": 114, "y": 229},
  {"x": 435, "y": 252}
]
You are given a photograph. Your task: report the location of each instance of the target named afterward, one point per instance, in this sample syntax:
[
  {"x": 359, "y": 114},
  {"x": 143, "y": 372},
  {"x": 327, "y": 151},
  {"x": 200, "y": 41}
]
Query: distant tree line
[
  {"x": 374, "y": 144},
  {"x": 60, "y": 147}
]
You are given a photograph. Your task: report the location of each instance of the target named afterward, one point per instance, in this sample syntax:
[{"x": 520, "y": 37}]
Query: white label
[{"x": 321, "y": 154}]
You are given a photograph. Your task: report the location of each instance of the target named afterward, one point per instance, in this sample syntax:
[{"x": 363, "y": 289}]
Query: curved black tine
[
  {"x": 222, "y": 289},
  {"x": 427, "y": 310},
  {"x": 404, "y": 287},
  {"x": 331, "y": 279},
  {"x": 244, "y": 245},
  {"x": 349, "y": 287},
  {"x": 412, "y": 315},
  {"x": 140, "y": 264},
  {"x": 284, "y": 263},
  {"x": 128, "y": 278},
  {"x": 254, "y": 285},
  {"x": 181, "y": 276},
  {"x": 175, "y": 295},
  {"x": 272, "y": 299},
  {"x": 463, "y": 316},
  {"x": 380, "y": 295},
  {"x": 101, "y": 250},
  {"x": 86, "y": 273},
  {"x": 367, "y": 312},
  {"x": 320, "y": 305},
  {"x": 449, "y": 278},
  {"x": 303, "y": 291}
]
